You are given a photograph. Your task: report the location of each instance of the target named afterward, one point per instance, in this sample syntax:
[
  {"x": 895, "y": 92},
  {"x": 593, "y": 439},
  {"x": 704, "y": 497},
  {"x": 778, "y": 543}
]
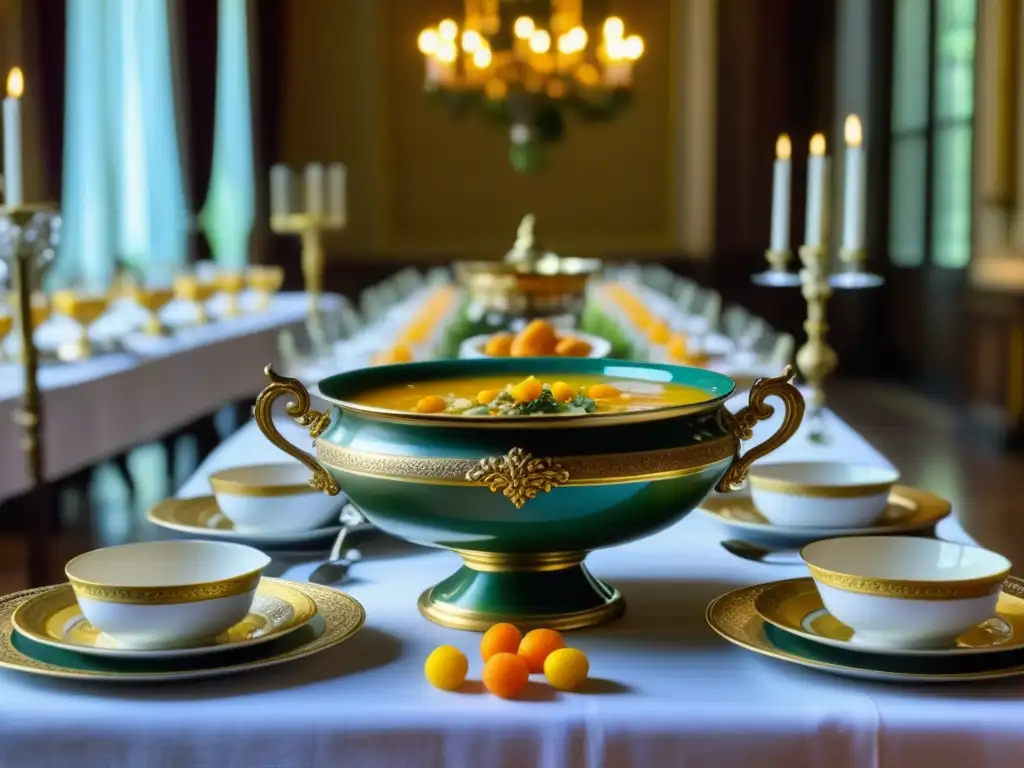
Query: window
[{"x": 932, "y": 127}]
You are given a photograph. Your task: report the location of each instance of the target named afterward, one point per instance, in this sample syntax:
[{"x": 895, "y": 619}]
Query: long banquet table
[
  {"x": 99, "y": 407},
  {"x": 669, "y": 692}
]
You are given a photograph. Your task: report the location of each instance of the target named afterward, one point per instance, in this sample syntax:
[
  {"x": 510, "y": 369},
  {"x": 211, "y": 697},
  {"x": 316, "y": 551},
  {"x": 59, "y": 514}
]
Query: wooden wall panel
[{"x": 422, "y": 182}]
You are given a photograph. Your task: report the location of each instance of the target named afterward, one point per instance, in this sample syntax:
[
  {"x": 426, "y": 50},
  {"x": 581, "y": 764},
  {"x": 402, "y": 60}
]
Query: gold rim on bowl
[
  {"x": 910, "y": 589},
  {"x": 159, "y": 594},
  {"x": 223, "y": 481},
  {"x": 821, "y": 490}
]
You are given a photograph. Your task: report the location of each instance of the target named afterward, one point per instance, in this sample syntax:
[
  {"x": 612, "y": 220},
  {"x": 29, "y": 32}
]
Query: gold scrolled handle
[
  {"x": 741, "y": 424},
  {"x": 299, "y": 409}
]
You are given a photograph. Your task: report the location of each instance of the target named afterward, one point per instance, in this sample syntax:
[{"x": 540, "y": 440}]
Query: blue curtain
[
  {"x": 87, "y": 237},
  {"x": 123, "y": 186},
  {"x": 229, "y": 212}
]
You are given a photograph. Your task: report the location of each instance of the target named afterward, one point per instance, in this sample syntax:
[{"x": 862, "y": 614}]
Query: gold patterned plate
[
  {"x": 909, "y": 510},
  {"x": 734, "y": 616},
  {"x": 338, "y": 618},
  {"x": 795, "y": 606},
  {"x": 54, "y": 618},
  {"x": 201, "y": 516}
]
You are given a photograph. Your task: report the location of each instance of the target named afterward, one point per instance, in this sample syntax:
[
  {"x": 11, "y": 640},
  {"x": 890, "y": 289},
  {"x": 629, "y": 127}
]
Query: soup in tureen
[{"x": 533, "y": 396}]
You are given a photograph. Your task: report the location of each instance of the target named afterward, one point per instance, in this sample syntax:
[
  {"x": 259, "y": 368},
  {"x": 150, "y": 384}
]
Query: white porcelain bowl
[
  {"x": 473, "y": 347},
  {"x": 821, "y": 494},
  {"x": 906, "y": 592},
  {"x": 166, "y": 594},
  {"x": 272, "y": 498}
]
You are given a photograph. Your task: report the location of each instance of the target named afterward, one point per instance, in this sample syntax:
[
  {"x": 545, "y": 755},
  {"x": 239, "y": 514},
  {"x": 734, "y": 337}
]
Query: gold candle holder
[
  {"x": 816, "y": 359},
  {"x": 777, "y": 274},
  {"x": 778, "y": 261},
  {"x": 320, "y": 208},
  {"x": 310, "y": 227},
  {"x": 29, "y": 238}
]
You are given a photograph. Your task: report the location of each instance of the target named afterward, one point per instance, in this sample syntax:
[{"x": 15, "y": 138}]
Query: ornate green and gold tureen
[{"x": 523, "y": 499}]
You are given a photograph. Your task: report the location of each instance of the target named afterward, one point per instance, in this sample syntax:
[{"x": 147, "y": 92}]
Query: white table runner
[
  {"x": 674, "y": 693},
  {"x": 100, "y": 407}
]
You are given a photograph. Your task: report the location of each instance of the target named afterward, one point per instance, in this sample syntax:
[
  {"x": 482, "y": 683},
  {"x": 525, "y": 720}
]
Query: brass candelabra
[
  {"x": 320, "y": 208},
  {"x": 28, "y": 236},
  {"x": 816, "y": 359}
]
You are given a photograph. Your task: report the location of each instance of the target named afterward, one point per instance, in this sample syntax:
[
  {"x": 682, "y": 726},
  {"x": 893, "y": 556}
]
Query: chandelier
[{"x": 527, "y": 63}]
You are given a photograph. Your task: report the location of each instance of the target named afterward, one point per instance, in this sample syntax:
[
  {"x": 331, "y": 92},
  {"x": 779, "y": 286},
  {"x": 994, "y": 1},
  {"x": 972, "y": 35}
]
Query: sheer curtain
[
  {"x": 123, "y": 187},
  {"x": 229, "y": 212}
]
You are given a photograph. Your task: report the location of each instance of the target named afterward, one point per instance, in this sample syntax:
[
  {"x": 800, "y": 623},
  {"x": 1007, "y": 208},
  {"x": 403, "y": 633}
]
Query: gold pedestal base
[
  {"x": 553, "y": 590},
  {"x": 481, "y": 621}
]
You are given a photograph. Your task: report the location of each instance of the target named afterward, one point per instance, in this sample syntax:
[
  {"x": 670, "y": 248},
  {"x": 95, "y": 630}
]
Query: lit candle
[
  {"x": 336, "y": 204},
  {"x": 314, "y": 189},
  {"x": 12, "y": 137},
  {"x": 280, "y": 190},
  {"x": 855, "y": 186},
  {"x": 816, "y": 226},
  {"x": 781, "y": 183}
]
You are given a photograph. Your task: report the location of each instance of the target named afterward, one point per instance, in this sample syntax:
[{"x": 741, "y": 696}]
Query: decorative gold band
[
  {"x": 600, "y": 469},
  {"x": 188, "y": 593},
  {"x": 910, "y": 590},
  {"x": 496, "y": 562},
  {"x": 248, "y": 490}
]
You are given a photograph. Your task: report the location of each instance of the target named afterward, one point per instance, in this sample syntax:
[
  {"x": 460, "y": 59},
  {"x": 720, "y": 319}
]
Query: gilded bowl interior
[{"x": 343, "y": 389}]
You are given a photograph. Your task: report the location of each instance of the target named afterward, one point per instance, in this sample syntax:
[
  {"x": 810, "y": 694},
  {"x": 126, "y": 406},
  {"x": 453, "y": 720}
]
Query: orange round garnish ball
[
  {"x": 506, "y": 675},
  {"x": 501, "y": 638},
  {"x": 537, "y": 645}
]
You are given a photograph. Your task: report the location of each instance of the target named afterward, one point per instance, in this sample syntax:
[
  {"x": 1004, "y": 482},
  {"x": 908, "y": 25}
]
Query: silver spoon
[
  {"x": 335, "y": 568},
  {"x": 758, "y": 554}
]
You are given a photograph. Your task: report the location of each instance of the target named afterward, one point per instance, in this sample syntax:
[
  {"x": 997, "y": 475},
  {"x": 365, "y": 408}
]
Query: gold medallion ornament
[{"x": 518, "y": 475}]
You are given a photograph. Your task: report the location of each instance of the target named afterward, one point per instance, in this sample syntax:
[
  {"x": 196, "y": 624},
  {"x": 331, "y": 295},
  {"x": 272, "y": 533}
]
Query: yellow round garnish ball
[
  {"x": 446, "y": 668},
  {"x": 567, "y": 668}
]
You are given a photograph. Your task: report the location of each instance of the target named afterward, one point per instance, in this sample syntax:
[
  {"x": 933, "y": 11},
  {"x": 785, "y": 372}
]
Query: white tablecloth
[
  {"x": 674, "y": 694},
  {"x": 100, "y": 407}
]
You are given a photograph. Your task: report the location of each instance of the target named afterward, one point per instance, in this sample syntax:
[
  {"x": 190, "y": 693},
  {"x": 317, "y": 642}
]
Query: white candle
[
  {"x": 855, "y": 187},
  {"x": 816, "y": 224},
  {"x": 781, "y": 183},
  {"x": 336, "y": 203},
  {"x": 314, "y": 189},
  {"x": 281, "y": 203},
  {"x": 12, "y": 138}
]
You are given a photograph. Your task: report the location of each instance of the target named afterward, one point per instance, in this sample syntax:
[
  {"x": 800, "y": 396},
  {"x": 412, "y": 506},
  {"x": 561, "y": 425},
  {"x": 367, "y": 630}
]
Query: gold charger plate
[
  {"x": 200, "y": 516},
  {"x": 910, "y": 509},
  {"x": 53, "y": 618},
  {"x": 338, "y": 618},
  {"x": 795, "y": 606},
  {"x": 734, "y": 616}
]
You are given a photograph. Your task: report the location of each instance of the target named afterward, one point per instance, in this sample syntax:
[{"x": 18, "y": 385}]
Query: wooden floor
[{"x": 923, "y": 440}]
